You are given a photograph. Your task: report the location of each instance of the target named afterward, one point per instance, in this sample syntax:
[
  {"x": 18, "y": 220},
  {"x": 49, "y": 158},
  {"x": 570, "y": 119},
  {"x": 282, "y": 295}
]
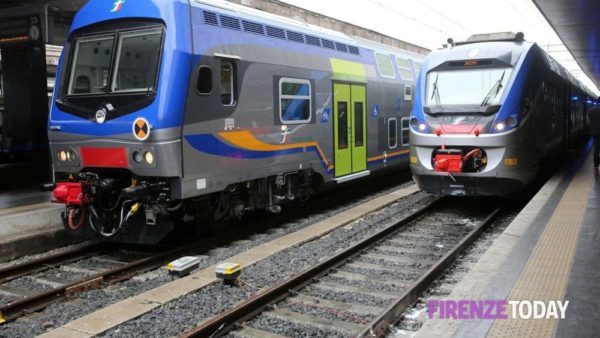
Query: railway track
[
  {"x": 360, "y": 291},
  {"x": 52, "y": 278},
  {"x": 33, "y": 285},
  {"x": 14, "y": 271}
]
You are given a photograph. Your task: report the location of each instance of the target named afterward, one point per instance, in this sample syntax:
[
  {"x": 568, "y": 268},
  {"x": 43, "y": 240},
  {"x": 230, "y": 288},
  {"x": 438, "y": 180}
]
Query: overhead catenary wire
[
  {"x": 433, "y": 9},
  {"x": 393, "y": 10}
]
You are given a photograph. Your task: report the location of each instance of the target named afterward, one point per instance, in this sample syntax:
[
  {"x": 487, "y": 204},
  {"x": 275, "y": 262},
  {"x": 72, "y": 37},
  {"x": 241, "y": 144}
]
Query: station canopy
[{"x": 577, "y": 23}]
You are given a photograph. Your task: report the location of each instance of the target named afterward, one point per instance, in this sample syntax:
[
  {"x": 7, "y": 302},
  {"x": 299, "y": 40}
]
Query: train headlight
[
  {"x": 511, "y": 122},
  {"x": 138, "y": 157},
  {"x": 507, "y": 124},
  {"x": 62, "y": 156},
  {"x": 418, "y": 125},
  {"x": 149, "y": 157},
  {"x": 71, "y": 155},
  {"x": 101, "y": 115}
]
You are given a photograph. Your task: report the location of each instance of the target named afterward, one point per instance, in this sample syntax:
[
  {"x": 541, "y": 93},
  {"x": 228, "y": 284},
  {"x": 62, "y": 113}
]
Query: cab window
[{"x": 228, "y": 90}]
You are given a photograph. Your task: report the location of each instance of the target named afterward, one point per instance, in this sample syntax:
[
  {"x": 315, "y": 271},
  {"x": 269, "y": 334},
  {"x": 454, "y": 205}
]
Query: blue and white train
[
  {"x": 204, "y": 110},
  {"x": 488, "y": 115}
]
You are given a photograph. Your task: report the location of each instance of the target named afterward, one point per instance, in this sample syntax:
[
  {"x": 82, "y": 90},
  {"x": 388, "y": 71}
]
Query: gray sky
[{"x": 429, "y": 23}]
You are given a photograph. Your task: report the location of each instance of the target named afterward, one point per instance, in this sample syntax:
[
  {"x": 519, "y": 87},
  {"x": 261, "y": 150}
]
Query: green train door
[
  {"x": 350, "y": 128},
  {"x": 359, "y": 130}
]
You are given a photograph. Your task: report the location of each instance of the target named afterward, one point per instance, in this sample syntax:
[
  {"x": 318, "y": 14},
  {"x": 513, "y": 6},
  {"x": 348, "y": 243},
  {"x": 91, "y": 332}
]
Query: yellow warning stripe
[{"x": 546, "y": 274}]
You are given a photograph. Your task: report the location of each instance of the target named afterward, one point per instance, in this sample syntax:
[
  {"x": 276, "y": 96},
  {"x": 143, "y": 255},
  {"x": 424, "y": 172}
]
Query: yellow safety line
[{"x": 546, "y": 274}]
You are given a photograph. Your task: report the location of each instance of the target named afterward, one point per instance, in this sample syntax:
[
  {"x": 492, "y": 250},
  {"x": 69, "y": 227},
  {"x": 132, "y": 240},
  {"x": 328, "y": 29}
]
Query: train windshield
[
  {"x": 137, "y": 60},
  {"x": 482, "y": 87},
  {"x": 90, "y": 68},
  {"x": 131, "y": 63}
]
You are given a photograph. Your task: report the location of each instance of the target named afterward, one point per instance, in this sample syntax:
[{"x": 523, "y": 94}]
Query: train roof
[
  {"x": 506, "y": 50},
  {"x": 274, "y": 18},
  {"x": 95, "y": 11},
  {"x": 278, "y": 20},
  {"x": 509, "y": 52}
]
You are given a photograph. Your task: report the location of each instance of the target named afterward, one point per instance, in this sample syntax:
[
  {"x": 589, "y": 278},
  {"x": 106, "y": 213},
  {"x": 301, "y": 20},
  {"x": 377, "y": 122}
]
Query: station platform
[
  {"x": 22, "y": 198},
  {"x": 549, "y": 253},
  {"x": 29, "y": 223}
]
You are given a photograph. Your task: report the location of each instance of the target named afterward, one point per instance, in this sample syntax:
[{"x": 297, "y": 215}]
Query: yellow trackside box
[
  {"x": 228, "y": 271},
  {"x": 183, "y": 266}
]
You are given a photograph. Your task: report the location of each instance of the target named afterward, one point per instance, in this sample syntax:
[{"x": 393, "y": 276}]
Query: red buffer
[
  {"x": 448, "y": 160},
  {"x": 69, "y": 193}
]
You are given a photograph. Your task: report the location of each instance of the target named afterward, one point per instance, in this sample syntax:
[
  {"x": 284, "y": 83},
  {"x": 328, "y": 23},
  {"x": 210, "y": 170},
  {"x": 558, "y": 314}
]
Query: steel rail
[
  {"x": 13, "y": 271},
  {"x": 227, "y": 321},
  {"x": 393, "y": 313},
  {"x": 40, "y": 300}
]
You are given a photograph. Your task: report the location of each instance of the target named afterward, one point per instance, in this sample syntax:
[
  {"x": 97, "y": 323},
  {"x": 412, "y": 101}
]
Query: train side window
[
  {"x": 393, "y": 133},
  {"x": 418, "y": 67},
  {"x": 408, "y": 92},
  {"x": 405, "y": 130},
  {"x": 384, "y": 64},
  {"x": 531, "y": 92},
  {"x": 358, "y": 124},
  {"x": 342, "y": 124},
  {"x": 295, "y": 105},
  {"x": 204, "y": 84},
  {"x": 404, "y": 69},
  {"x": 227, "y": 83}
]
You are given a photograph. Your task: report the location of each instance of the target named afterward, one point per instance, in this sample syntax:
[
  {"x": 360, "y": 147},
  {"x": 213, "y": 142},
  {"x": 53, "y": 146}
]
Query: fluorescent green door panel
[
  {"x": 342, "y": 124},
  {"x": 359, "y": 128},
  {"x": 348, "y": 71}
]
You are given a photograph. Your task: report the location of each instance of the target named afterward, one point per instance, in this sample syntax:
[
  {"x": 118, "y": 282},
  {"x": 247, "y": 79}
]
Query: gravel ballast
[
  {"x": 297, "y": 217},
  {"x": 274, "y": 269},
  {"x": 414, "y": 317}
]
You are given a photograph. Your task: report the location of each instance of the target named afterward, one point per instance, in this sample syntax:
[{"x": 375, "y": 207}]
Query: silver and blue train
[
  {"x": 490, "y": 113},
  {"x": 204, "y": 110}
]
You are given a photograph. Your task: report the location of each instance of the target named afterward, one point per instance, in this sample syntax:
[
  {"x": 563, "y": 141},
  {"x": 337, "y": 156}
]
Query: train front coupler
[
  {"x": 459, "y": 160},
  {"x": 100, "y": 208},
  {"x": 75, "y": 196}
]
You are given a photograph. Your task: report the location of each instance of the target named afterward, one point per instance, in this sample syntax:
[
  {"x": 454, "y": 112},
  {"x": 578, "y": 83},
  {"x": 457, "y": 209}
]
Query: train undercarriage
[{"x": 118, "y": 207}]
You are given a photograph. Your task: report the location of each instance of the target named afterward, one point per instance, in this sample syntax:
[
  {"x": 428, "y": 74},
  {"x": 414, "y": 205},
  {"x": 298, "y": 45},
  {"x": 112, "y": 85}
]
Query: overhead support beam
[{"x": 577, "y": 23}]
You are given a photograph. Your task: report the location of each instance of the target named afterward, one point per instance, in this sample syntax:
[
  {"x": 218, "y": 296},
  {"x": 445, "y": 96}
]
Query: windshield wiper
[
  {"x": 436, "y": 92},
  {"x": 493, "y": 91}
]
